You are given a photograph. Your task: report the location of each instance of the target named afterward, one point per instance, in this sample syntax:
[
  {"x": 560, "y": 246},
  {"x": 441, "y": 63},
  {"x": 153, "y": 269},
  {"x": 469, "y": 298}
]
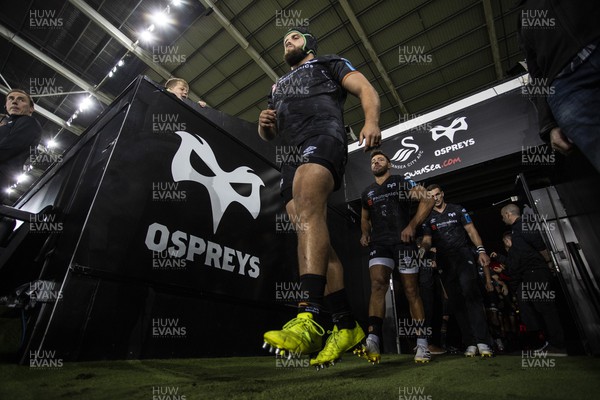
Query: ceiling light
[{"x": 146, "y": 36}]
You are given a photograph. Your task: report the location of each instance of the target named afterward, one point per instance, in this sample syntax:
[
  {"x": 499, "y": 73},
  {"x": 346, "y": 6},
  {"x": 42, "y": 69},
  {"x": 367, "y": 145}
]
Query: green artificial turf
[{"x": 445, "y": 378}]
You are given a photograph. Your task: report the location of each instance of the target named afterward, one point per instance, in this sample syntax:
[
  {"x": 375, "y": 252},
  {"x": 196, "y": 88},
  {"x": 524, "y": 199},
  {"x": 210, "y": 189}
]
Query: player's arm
[
  {"x": 267, "y": 124},
  {"x": 358, "y": 85},
  {"x": 426, "y": 203},
  {"x": 484, "y": 259},
  {"x": 365, "y": 227}
]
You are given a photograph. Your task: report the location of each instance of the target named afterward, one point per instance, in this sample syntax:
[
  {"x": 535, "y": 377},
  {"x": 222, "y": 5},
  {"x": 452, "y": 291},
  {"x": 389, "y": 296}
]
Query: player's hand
[
  {"x": 494, "y": 254},
  {"x": 202, "y": 103},
  {"x": 408, "y": 234},
  {"x": 267, "y": 119},
  {"x": 484, "y": 259},
  {"x": 559, "y": 142},
  {"x": 371, "y": 135},
  {"x": 488, "y": 286},
  {"x": 364, "y": 240}
]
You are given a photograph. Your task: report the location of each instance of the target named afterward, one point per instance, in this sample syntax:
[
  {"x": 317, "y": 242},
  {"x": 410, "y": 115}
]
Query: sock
[
  {"x": 374, "y": 338},
  {"x": 314, "y": 286},
  {"x": 422, "y": 342},
  {"x": 338, "y": 305},
  {"x": 375, "y": 326}
]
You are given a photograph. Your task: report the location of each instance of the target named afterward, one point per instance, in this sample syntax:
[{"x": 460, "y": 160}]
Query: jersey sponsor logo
[
  {"x": 220, "y": 185},
  {"x": 459, "y": 124},
  {"x": 391, "y": 185},
  {"x": 452, "y": 214}
]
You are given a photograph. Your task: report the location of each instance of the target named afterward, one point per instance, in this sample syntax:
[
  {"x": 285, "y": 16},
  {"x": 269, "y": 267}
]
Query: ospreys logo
[
  {"x": 459, "y": 124},
  {"x": 220, "y": 185}
]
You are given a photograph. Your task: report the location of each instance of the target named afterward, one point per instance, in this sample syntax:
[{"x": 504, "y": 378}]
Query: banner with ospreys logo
[
  {"x": 184, "y": 203},
  {"x": 497, "y": 127}
]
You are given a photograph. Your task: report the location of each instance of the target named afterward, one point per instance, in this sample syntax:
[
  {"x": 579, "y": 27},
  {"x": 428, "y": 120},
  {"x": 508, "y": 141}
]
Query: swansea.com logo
[
  {"x": 459, "y": 124},
  {"x": 221, "y": 184}
]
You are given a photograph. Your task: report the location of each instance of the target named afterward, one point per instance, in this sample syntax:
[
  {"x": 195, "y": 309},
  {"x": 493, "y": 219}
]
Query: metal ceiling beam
[
  {"x": 49, "y": 115},
  {"x": 28, "y": 48},
  {"x": 365, "y": 40},
  {"x": 113, "y": 31},
  {"x": 489, "y": 21},
  {"x": 224, "y": 21}
]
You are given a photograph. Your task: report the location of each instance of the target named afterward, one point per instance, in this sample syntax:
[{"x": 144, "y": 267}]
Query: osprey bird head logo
[
  {"x": 219, "y": 186},
  {"x": 459, "y": 124}
]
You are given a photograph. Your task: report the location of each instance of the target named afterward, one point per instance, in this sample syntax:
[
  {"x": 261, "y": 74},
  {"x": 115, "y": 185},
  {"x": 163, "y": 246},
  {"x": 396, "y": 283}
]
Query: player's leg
[
  {"x": 410, "y": 282},
  {"x": 347, "y": 333},
  {"x": 381, "y": 264}
]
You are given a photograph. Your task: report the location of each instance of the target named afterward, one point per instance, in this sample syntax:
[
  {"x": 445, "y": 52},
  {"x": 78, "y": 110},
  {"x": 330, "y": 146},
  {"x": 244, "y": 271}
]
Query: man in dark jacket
[
  {"x": 527, "y": 263},
  {"x": 560, "y": 40},
  {"x": 17, "y": 138}
]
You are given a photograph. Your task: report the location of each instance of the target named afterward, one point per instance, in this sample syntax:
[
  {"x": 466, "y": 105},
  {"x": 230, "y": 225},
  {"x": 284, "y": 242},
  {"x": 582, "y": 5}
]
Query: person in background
[
  {"x": 180, "y": 88},
  {"x": 18, "y": 137},
  {"x": 528, "y": 263},
  {"x": 560, "y": 40}
]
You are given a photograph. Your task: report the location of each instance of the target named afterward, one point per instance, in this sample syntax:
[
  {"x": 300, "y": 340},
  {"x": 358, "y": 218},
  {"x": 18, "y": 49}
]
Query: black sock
[
  {"x": 375, "y": 326},
  {"x": 313, "y": 286},
  {"x": 338, "y": 305}
]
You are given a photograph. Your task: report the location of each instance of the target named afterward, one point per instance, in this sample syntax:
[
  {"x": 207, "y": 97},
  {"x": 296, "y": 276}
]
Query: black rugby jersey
[
  {"x": 309, "y": 100},
  {"x": 389, "y": 208},
  {"x": 447, "y": 228}
]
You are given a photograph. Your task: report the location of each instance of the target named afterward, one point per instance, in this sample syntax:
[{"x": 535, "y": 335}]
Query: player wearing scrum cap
[{"x": 306, "y": 108}]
